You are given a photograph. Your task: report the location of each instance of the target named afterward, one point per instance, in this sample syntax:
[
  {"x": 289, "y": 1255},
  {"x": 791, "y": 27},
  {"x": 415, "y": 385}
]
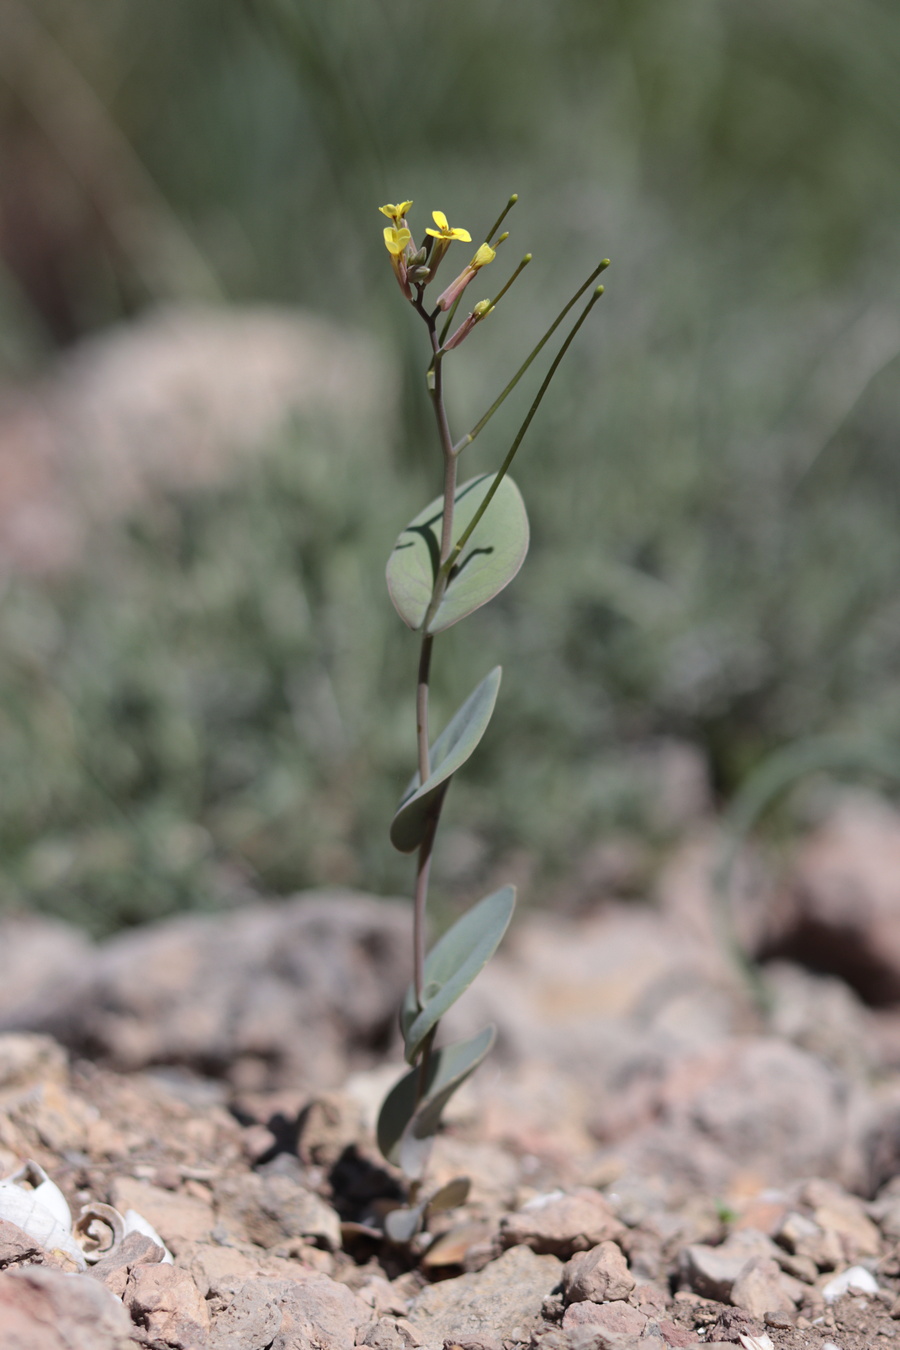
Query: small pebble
[{"x": 857, "y": 1278}]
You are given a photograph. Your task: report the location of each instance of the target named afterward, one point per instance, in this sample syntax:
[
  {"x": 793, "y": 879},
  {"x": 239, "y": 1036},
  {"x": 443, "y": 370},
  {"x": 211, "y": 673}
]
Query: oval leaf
[
  {"x": 489, "y": 561},
  {"x": 449, "y": 752},
  {"x": 452, "y": 964},
  {"x": 457, "y": 1062},
  {"x": 401, "y": 1225},
  {"x": 402, "y": 1123},
  {"x": 449, "y": 1196}
]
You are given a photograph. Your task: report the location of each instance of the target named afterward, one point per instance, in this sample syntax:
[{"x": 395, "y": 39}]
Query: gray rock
[
  {"x": 51, "y": 1310},
  {"x": 504, "y": 1300},
  {"x": 228, "y": 992}
]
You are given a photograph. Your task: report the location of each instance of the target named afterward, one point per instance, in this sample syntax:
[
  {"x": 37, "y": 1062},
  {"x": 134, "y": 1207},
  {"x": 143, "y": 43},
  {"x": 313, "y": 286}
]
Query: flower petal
[
  {"x": 395, "y": 240},
  {"x": 440, "y": 221}
]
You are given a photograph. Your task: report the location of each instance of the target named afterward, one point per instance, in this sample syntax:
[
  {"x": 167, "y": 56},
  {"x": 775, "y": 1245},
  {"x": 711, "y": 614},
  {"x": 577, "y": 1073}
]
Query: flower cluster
[{"x": 415, "y": 267}]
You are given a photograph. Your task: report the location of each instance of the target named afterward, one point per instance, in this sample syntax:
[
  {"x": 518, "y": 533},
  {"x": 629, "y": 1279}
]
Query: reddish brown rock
[
  {"x": 845, "y": 1217},
  {"x": 311, "y": 1314},
  {"x": 562, "y": 1224},
  {"x": 18, "y": 1249},
  {"x": 135, "y": 1250},
  {"x": 49, "y": 1310},
  {"x": 841, "y": 912},
  {"x": 269, "y": 1209},
  {"x": 599, "y": 1274},
  {"x": 177, "y": 1217},
  {"x": 761, "y": 1288},
  {"x": 504, "y": 1298},
  {"x": 614, "y": 1319},
  {"x": 167, "y": 1304}
]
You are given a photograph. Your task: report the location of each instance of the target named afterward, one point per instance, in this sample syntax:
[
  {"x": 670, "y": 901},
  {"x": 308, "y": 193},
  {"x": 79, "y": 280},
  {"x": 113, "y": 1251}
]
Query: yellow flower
[
  {"x": 444, "y": 231},
  {"x": 484, "y": 255},
  {"x": 397, "y": 243},
  {"x": 395, "y": 240},
  {"x": 395, "y": 212}
]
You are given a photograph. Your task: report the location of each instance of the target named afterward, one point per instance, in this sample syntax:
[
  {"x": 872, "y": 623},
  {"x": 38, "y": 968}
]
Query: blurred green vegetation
[{"x": 714, "y": 487}]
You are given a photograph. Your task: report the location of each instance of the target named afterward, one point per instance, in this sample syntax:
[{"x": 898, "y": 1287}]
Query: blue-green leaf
[
  {"x": 449, "y": 752},
  {"x": 405, "y": 1131},
  {"x": 491, "y": 558},
  {"x": 453, "y": 963}
]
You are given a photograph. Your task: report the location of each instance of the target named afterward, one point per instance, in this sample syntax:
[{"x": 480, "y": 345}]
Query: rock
[
  {"x": 754, "y": 1105},
  {"x": 472, "y": 1343},
  {"x": 599, "y": 1274},
  {"x": 167, "y": 1304},
  {"x": 821, "y": 1014},
  {"x": 671, "y": 1334},
  {"x": 135, "y": 1250},
  {"x": 845, "y": 1216},
  {"x": 841, "y": 911},
  {"x": 40, "y": 960},
  {"x": 18, "y": 1249},
  {"x": 502, "y": 1299},
  {"x": 269, "y": 1209},
  {"x": 315, "y": 1313},
  {"x": 562, "y": 1224},
  {"x": 760, "y": 1288},
  {"x": 27, "y": 1060},
  {"x": 856, "y": 1279},
  {"x": 389, "y": 1334},
  {"x": 732, "y": 1325},
  {"x": 50, "y": 1310},
  {"x": 711, "y": 1271},
  {"x": 613, "y": 1319},
  {"x": 752, "y": 1242},
  {"x": 175, "y": 398},
  {"x": 229, "y": 991},
  {"x": 803, "y": 1236},
  {"x": 178, "y": 1218},
  {"x": 218, "y": 1271}
]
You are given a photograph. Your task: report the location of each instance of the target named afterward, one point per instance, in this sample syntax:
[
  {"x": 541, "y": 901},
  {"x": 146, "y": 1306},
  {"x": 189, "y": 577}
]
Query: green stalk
[
  {"x": 510, "y": 456},
  {"x": 480, "y": 425}
]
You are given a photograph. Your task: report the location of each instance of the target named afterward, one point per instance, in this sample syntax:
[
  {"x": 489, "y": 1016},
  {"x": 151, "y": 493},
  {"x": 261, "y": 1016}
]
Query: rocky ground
[{"x": 653, "y": 1159}]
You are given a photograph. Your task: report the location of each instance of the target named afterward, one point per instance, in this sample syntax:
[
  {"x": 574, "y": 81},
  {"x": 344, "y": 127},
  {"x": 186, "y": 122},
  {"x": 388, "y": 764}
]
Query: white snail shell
[
  {"x": 136, "y": 1223},
  {"x": 40, "y": 1211}
]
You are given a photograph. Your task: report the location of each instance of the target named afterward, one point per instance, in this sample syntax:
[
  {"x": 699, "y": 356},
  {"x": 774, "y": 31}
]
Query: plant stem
[
  {"x": 504, "y": 393},
  {"x": 422, "y": 706},
  {"x": 463, "y": 539},
  {"x": 421, "y": 896},
  {"x": 423, "y": 869}
]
